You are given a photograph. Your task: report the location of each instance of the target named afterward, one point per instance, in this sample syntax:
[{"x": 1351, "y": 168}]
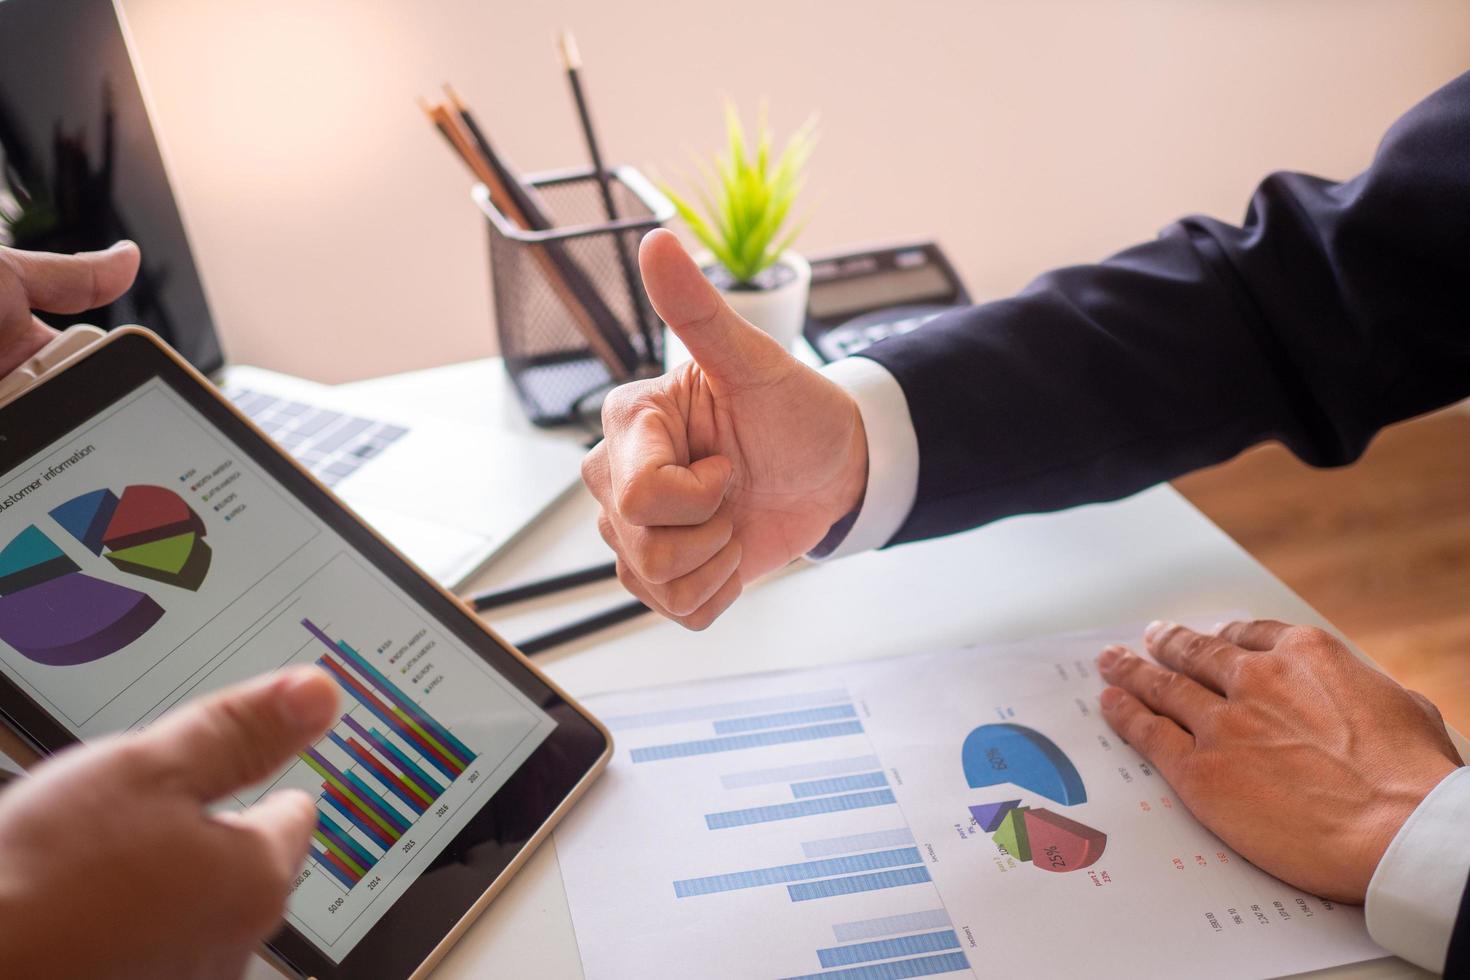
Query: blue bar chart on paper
[
  {"x": 794, "y": 778},
  {"x": 963, "y": 813}
]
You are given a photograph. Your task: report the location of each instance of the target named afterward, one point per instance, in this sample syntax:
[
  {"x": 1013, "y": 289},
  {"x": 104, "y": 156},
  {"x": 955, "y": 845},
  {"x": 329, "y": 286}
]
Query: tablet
[{"x": 155, "y": 546}]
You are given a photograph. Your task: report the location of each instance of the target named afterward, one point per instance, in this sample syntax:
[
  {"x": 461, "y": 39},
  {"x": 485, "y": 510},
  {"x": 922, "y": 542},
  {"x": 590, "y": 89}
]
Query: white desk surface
[{"x": 1151, "y": 556}]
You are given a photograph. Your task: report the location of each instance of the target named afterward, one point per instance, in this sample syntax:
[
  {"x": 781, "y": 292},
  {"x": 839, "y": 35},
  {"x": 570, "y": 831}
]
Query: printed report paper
[{"x": 959, "y": 813}]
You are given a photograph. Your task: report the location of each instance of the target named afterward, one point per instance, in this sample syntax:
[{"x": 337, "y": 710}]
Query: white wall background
[{"x": 338, "y": 241}]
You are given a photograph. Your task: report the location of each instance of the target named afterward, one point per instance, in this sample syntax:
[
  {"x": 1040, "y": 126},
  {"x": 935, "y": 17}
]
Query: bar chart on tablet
[
  {"x": 425, "y": 733},
  {"x": 383, "y": 783}
]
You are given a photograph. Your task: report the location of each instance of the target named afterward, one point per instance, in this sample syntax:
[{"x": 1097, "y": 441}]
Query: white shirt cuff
[
  {"x": 893, "y": 460},
  {"x": 1414, "y": 897}
]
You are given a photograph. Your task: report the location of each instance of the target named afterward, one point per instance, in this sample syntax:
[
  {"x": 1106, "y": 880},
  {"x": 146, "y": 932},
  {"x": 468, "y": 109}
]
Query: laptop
[{"x": 80, "y": 167}]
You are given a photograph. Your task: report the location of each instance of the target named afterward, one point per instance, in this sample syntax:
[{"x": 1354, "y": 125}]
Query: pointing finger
[{"x": 241, "y": 735}]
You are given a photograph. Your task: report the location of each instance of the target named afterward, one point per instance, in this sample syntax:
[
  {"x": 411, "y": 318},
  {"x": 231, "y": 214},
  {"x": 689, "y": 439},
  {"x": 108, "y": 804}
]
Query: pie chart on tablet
[{"x": 56, "y": 614}]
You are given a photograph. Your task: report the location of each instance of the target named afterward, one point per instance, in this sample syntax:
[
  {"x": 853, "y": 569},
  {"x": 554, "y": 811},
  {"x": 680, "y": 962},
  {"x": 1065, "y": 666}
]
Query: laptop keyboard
[{"x": 330, "y": 444}]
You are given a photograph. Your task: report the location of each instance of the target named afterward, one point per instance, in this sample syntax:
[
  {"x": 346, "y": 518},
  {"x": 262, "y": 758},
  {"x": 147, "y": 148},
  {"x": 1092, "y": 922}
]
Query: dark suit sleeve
[
  {"x": 1457, "y": 958},
  {"x": 1334, "y": 310}
]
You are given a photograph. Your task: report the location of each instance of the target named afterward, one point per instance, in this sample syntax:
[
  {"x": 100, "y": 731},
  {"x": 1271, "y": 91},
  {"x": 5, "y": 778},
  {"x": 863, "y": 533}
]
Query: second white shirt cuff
[
  {"x": 1414, "y": 897},
  {"x": 893, "y": 458}
]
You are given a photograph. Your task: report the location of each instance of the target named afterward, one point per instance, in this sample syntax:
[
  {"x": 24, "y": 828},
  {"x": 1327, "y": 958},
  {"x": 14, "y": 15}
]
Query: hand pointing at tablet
[{"x": 111, "y": 863}]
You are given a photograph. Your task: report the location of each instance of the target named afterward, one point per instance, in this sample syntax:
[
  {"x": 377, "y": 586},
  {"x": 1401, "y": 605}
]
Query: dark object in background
[
  {"x": 495, "y": 598},
  {"x": 861, "y": 296},
  {"x": 80, "y": 167},
  {"x": 572, "y": 62},
  {"x": 582, "y": 628}
]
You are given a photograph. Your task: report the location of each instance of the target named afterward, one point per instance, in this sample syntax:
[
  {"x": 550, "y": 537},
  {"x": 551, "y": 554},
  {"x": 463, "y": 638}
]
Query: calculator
[{"x": 863, "y": 296}]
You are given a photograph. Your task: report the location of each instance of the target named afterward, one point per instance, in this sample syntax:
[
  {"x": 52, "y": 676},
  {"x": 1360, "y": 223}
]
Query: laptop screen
[{"x": 80, "y": 167}]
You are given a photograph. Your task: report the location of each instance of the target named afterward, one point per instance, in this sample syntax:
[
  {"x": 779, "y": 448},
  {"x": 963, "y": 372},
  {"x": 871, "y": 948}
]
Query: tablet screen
[{"x": 145, "y": 559}]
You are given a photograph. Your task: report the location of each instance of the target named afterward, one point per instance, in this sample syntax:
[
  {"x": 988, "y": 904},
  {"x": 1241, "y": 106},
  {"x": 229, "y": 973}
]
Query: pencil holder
[{"x": 570, "y": 310}]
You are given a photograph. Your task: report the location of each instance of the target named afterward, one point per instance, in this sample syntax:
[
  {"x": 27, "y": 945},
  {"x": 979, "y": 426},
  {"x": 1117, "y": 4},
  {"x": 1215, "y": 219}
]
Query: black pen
[
  {"x": 571, "y": 59},
  {"x": 583, "y": 627},
  {"x": 495, "y": 598}
]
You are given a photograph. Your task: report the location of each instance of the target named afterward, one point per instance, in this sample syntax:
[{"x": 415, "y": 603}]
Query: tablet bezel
[{"x": 461, "y": 880}]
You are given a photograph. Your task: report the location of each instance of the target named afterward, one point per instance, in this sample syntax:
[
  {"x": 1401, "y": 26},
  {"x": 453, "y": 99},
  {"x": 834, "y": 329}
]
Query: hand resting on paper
[{"x": 1301, "y": 757}]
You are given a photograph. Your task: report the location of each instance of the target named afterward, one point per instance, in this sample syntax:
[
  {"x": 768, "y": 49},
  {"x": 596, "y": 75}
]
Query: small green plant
[
  {"x": 747, "y": 197},
  {"x": 22, "y": 218}
]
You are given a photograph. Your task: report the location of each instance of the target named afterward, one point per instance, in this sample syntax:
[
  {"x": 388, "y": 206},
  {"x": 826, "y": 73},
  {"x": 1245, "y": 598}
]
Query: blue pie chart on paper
[{"x": 994, "y": 755}]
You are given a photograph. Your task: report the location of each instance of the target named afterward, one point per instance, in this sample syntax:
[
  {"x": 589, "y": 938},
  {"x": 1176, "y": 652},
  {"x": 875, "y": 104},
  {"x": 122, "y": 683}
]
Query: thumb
[
  {"x": 724, "y": 345},
  {"x": 75, "y": 283},
  {"x": 243, "y": 734}
]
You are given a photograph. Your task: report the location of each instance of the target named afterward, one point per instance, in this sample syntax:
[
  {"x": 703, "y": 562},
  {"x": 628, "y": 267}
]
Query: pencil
[
  {"x": 455, "y": 138},
  {"x": 534, "y": 216},
  {"x": 532, "y": 211},
  {"x": 572, "y": 60},
  {"x": 596, "y": 323}
]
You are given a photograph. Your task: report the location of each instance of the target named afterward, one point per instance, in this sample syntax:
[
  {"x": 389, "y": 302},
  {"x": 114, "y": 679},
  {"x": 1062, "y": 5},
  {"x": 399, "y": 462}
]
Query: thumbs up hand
[{"x": 727, "y": 467}]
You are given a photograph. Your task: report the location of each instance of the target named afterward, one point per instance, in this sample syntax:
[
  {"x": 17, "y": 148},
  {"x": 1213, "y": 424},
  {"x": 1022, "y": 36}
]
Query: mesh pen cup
[{"x": 570, "y": 310}]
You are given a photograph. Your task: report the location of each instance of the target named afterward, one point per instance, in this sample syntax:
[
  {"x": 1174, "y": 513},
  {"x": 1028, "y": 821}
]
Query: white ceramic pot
[{"x": 780, "y": 311}]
